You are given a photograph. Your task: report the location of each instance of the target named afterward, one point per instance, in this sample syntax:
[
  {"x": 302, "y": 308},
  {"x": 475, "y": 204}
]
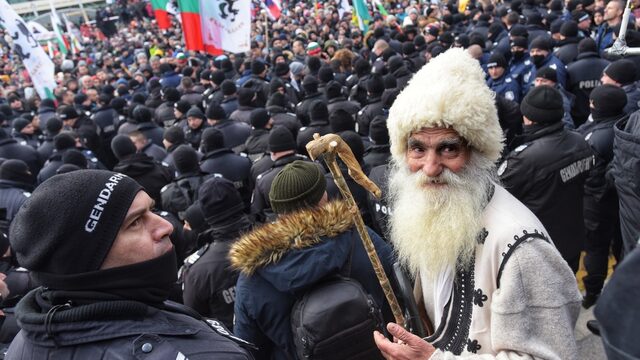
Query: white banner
[
  {"x": 226, "y": 25},
  {"x": 33, "y": 57}
]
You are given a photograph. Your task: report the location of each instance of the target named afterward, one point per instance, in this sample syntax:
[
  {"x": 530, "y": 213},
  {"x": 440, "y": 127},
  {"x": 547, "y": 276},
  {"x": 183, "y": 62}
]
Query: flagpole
[
  {"x": 266, "y": 32},
  {"x": 84, "y": 12}
]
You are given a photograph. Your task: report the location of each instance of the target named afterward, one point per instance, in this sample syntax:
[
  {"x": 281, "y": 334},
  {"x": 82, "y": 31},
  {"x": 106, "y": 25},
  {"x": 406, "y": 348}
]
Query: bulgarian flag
[
  {"x": 361, "y": 14},
  {"x": 160, "y": 11},
  {"x": 58, "y": 29},
  {"x": 191, "y": 24}
]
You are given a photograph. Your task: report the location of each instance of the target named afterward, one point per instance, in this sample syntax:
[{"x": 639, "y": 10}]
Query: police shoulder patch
[
  {"x": 521, "y": 148},
  {"x": 527, "y": 62},
  {"x": 553, "y": 66},
  {"x": 588, "y": 136},
  {"x": 502, "y": 168},
  {"x": 508, "y": 80},
  {"x": 26, "y": 193}
]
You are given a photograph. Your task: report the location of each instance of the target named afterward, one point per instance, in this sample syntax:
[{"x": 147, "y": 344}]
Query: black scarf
[{"x": 149, "y": 282}]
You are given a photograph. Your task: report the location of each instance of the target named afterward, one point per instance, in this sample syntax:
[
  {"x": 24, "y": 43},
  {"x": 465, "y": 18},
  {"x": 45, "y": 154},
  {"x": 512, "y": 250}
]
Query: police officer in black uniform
[
  {"x": 208, "y": 280},
  {"x": 547, "y": 172},
  {"x": 583, "y": 75},
  {"x": 600, "y": 197}
]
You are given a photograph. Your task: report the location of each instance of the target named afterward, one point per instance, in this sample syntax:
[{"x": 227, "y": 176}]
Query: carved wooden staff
[{"x": 329, "y": 145}]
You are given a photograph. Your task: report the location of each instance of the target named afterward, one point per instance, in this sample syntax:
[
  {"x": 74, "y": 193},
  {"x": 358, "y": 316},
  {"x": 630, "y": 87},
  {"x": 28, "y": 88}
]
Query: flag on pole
[
  {"x": 58, "y": 29},
  {"x": 216, "y": 26},
  {"x": 73, "y": 34},
  {"x": 381, "y": 8},
  {"x": 191, "y": 24},
  {"x": 25, "y": 46},
  {"x": 361, "y": 14},
  {"x": 274, "y": 10},
  {"x": 160, "y": 11},
  {"x": 226, "y": 26},
  {"x": 343, "y": 6}
]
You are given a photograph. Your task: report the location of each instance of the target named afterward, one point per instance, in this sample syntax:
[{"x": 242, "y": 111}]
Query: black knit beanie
[
  {"x": 282, "y": 69},
  {"x": 75, "y": 157},
  {"x": 355, "y": 143},
  {"x": 69, "y": 223},
  {"x": 228, "y": 88},
  {"x": 547, "y": 73},
  {"x": 281, "y": 139},
  {"x": 259, "y": 118},
  {"x": 185, "y": 159},
  {"x": 196, "y": 113},
  {"x": 333, "y": 90},
  {"x": 543, "y": 105},
  {"x": 245, "y": 96},
  {"x": 378, "y": 132},
  {"x": 219, "y": 200},
  {"x": 375, "y": 85},
  {"x": 63, "y": 141},
  {"x": 20, "y": 123},
  {"x": 216, "y": 112},
  {"x": 541, "y": 42},
  {"x": 53, "y": 127},
  {"x": 277, "y": 99},
  {"x": 122, "y": 146},
  {"x": 318, "y": 112},
  {"x": 340, "y": 120},
  {"x": 212, "y": 139},
  {"x": 325, "y": 74},
  {"x": 257, "y": 67},
  {"x": 310, "y": 84},
  {"x": 497, "y": 60},
  {"x": 622, "y": 71},
  {"x": 298, "y": 185},
  {"x": 183, "y": 106},
  {"x": 174, "y": 135},
  {"x": 608, "y": 101},
  {"x": 16, "y": 170},
  {"x": 217, "y": 77}
]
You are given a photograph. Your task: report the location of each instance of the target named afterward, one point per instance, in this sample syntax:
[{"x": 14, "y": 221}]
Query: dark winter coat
[
  {"x": 242, "y": 114},
  {"x": 164, "y": 114},
  {"x": 235, "y": 133},
  {"x": 117, "y": 330},
  {"x": 260, "y": 204},
  {"x": 181, "y": 193},
  {"x": 281, "y": 117},
  {"x": 158, "y": 153},
  {"x": 153, "y": 132},
  {"x": 567, "y": 50},
  {"x": 626, "y": 172},
  {"x": 257, "y": 143},
  {"x": 209, "y": 282},
  {"x": 233, "y": 167},
  {"x": 273, "y": 272},
  {"x": 150, "y": 174},
  {"x": 374, "y": 107},
  {"x": 12, "y": 195},
  {"x": 10, "y": 149},
  {"x": 306, "y": 134},
  {"x": 303, "y": 107},
  {"x": 547, "y": 174},
  {"x": 377, "y": 155},
  {"x": 341, "y": 103},
  {"x": 229, "y": 104},
  {"x": 584, "y": 75}
]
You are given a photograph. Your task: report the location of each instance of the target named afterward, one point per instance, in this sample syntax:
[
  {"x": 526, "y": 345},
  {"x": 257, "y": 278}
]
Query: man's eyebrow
[
  {"x": 130, "y": 217},
  {"x": 451, "y": 141}
]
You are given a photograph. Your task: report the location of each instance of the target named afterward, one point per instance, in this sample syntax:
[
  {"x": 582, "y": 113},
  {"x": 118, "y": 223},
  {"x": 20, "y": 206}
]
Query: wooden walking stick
[{"x": 329, "y": 145}]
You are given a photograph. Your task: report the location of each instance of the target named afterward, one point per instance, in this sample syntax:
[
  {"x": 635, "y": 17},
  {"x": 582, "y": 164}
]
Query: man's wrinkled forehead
[{"x": 437, "y": 132}]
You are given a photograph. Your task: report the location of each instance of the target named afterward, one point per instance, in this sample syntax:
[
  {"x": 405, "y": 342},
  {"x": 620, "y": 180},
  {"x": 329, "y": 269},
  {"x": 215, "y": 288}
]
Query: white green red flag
[
  {"x": 58, "y": 29},
  {"x": 160, "y": 11},
  {"x": 216, "y": 25}
]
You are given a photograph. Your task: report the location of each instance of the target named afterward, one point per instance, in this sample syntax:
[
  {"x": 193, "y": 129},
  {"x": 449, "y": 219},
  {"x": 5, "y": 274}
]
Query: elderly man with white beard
[{"x": 487, "y": 274}]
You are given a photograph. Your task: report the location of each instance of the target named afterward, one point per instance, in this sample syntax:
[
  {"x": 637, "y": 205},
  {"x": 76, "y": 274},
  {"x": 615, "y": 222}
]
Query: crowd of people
[{"x": 497, "y": 131}]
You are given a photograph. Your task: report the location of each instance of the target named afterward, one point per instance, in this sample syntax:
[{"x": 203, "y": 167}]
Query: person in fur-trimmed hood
[
  {"x": 487, "y": 274},
  {"x": 310, "y": 240}
]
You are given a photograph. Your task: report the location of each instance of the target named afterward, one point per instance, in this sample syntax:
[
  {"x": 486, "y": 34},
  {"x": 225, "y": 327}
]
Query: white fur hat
[{"x": 449, "y": 91}]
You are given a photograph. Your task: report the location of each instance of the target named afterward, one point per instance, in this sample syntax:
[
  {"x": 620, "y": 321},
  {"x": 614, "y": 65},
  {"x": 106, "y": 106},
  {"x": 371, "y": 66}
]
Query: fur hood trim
[
  {"x": 270, "y": 242},
  {"x": 450, "y": 92}
]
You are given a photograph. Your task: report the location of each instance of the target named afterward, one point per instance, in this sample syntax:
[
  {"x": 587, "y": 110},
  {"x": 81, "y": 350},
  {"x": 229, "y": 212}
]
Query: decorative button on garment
[
  {"x": 473, "y": 346},
  {"x": 146, "y": 348},
  {"x": 479, "y": 298}
]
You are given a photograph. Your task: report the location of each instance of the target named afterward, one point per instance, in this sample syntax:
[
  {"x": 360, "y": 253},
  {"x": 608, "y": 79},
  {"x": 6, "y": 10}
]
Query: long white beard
[{"x": 434, "y": 228}]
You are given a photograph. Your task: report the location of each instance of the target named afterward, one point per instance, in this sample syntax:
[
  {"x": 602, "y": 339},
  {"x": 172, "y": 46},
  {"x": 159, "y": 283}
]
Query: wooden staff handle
[{"x": 329, "y": 145}]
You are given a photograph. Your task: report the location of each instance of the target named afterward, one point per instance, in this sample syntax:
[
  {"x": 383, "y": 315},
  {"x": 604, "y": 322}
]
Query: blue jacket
[
  {"x": 505, "y": 86},
  {"x": 170, "y": 79},
  {"x": 550, "y": 61},
  {"x": 281, "y": 260},
  {"x": 517, "y": 70}
]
